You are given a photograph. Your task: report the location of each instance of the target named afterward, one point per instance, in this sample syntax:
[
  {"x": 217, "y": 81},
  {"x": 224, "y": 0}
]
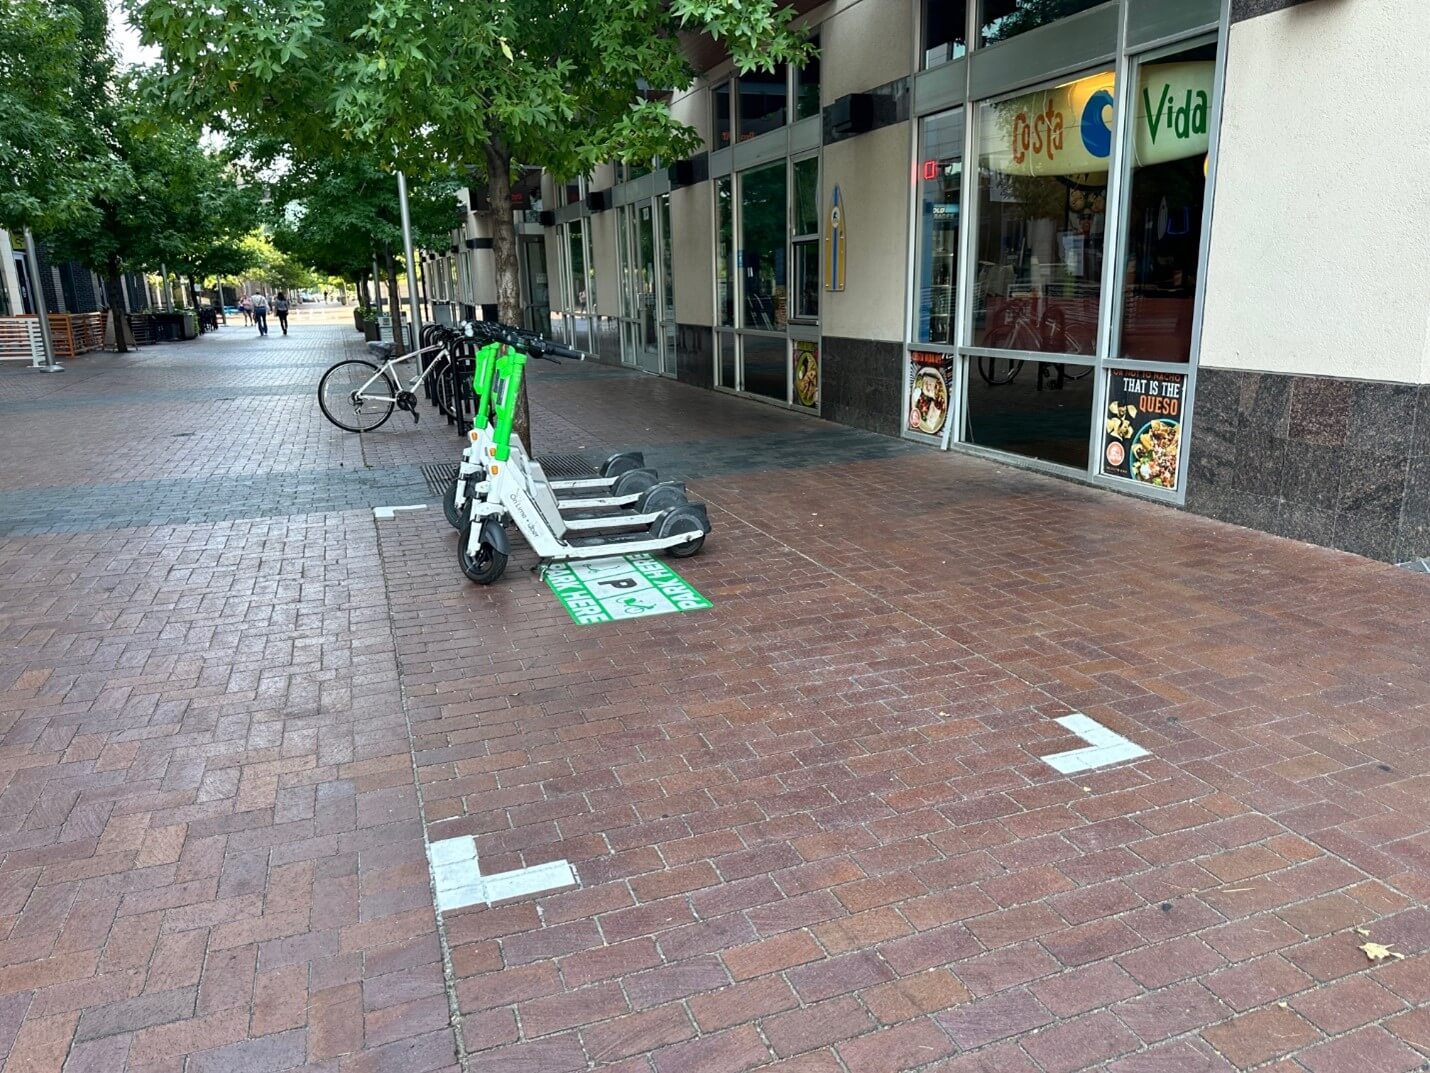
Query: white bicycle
[{"x": 359, "y": 396}]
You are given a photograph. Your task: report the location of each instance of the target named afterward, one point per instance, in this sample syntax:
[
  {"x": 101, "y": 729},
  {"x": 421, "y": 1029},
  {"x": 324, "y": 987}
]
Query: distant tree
[
  {"x": 339, "y": 215},
  {"x": 433, "y": 86}
]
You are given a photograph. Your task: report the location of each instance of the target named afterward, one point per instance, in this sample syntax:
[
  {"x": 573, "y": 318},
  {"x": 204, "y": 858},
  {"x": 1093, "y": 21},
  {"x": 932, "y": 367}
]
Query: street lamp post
[
  {"x": 37, "y": 298},
  {"x": 414, "y": 310}
]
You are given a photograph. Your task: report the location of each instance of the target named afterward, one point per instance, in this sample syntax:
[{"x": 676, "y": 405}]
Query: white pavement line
[
  {"x": 1104, "y": 746},
  {"x": 458, "y": 881},
  {"x": 385, "y": 514}
]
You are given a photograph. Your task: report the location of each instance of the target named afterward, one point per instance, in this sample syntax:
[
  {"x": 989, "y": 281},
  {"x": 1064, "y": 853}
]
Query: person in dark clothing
[{"x": 280, "y": 307}]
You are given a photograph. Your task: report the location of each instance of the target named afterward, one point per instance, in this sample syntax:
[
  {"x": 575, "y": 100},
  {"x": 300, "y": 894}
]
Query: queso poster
[{"x": 1142, "y": 428}]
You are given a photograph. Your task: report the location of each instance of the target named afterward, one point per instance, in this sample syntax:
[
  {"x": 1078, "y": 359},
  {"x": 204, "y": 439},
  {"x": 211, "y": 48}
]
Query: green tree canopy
[
  {"x": 54, "y": 68},
  {"x": 338, "y": 214}
]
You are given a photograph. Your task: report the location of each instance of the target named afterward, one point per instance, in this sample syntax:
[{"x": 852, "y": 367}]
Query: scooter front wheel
[
  {"x": 449, "y": 502},
  {"x": 485, "y": 566}
]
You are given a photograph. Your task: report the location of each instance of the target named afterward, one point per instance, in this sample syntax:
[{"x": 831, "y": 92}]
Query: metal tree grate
[
  {"x": 557, "y": 467},
  {"x": 437, "y": 475},
  {"x": 566, "y": 467}
]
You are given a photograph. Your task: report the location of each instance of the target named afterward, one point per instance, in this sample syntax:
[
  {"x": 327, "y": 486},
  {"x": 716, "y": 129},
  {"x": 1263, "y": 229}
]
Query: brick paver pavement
[{"x": 812, "y": 827}]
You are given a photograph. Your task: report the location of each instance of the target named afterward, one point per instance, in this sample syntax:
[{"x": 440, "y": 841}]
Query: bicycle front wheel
[{"x": 348, "y": 395}]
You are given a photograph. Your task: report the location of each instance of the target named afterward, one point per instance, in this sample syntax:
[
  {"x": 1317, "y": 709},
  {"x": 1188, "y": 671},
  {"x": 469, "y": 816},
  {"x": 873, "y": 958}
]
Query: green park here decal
[{"x": 626, "y": 586}]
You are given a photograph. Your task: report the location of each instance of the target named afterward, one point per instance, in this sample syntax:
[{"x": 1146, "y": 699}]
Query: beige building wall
[
  {"x": 693, "y": 254},
  {"x": 872, "y": 172},
  {"x": 1320, "y": 248},
  {"x": 864, "y": 43},
  {"x": 603, "y": 258}
]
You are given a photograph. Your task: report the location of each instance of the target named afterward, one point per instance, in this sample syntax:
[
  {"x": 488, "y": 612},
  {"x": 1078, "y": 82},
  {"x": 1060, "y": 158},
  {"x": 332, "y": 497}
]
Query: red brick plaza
[{"x": 812, "y": 826}]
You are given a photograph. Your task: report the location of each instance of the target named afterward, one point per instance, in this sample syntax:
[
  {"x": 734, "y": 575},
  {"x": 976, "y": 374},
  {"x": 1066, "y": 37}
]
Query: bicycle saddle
[{"x": 382, "y": 349}]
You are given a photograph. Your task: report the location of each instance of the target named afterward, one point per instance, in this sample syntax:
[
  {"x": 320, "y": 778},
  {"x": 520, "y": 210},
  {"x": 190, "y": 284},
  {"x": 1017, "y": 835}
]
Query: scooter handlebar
[{"x": 563, "y": 351}]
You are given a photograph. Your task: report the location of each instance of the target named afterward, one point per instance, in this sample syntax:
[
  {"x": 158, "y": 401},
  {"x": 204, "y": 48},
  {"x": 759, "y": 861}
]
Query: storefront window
[
  {"x": 766, "y": 361},
  {"x": 1036, "y": 409},
  {"x": 667, "y": 267},
  {"x": 722, "y": 126},
  {"x": 762, "y": 247},
  {"x": 945, "y": 31},
  {"x": 1042, "y": 203},
  {"x": 941, "y": 190},
  {"x": 806, "y": 84},
  {"x": 579, "y": 282},
  {"x": 724, "y": 255},
  {"x": 725, "y": 341},
  {"x": 1164, "y": 207},
  {"x": 762, "y": 100},
  {"x": 806, "y": 238},
  {"x": 1000, "y": 20}
]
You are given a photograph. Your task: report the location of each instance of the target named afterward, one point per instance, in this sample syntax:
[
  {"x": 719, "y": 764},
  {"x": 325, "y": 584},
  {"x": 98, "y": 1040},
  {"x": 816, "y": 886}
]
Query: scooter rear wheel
[
  {"x": 633, "y": 482},
  {"x": 486, "y": 566},
  {"x": 622, "y": 463},
  {"x": 660, "y": 497},
  {"x": 682, "y": 520}
]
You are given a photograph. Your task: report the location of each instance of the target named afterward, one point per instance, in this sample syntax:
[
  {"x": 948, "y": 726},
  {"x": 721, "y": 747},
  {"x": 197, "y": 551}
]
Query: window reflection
[
  {"x": 762, "y": 100},
  {"x": 806, "y": 82},
  {"x": 1036, "y": 409},
  {"x": 724, "y": 253},
  {"x": 1165, "y": 200},
  {"x": 766, "y": 363},
  {"x": 1000, "y": 20},
  {"x": 940, "y": 187},
  {"x": 1042, "y": 204},
  {"x": 945, "y": 31},
  {"x": 762, "y": 247}
]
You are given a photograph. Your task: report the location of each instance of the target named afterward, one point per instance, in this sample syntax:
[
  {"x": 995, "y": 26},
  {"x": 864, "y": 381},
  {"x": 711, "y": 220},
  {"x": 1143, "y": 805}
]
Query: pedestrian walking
[
  {"x": 260, "y": 312},
  {"x": 246, "y": 308},
  {"x": 280, "y": 307}
]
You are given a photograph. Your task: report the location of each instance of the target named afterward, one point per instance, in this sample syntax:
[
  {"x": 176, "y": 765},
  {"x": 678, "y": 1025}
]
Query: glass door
[
  {"x": 629, "y": 287},
  {"x": 537, "y": 309},
  {"x": 647, "y": 302}
]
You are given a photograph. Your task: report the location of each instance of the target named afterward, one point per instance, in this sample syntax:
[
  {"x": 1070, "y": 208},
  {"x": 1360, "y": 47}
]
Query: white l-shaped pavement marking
[
  {"x": 459, "y": 881},
  {"x": 385, "y": 514},
  {"x": 1104, "y": 746}
]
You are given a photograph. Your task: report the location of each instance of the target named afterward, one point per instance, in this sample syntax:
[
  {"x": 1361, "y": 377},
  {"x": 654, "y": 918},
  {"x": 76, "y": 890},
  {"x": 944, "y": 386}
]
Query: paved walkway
[{"x": 812, "y": 826}]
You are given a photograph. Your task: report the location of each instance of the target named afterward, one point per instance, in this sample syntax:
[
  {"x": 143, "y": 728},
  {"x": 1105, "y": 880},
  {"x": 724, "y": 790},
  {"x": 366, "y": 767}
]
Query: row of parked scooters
[{"x": 626, "y": 509}]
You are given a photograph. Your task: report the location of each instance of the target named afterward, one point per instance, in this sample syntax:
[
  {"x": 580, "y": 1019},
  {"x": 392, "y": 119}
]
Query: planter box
[
  {"x": 175, "y": 327},
  {"x": 357, "y": 320},
  {"x": 370, "y": 330}
]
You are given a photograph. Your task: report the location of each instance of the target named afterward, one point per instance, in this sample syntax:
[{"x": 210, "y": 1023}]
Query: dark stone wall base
[
  {"x": 1344, "y": 463},
  {"x": 695, "y": 355},
  {"x": 862, "y": 383},
  {"x": 1249, "y": 9}
]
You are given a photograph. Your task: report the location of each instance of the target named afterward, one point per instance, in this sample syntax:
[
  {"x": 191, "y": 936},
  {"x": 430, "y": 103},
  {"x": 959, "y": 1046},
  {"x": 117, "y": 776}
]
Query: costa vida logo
[
  {"x": 1174, "y": 118},
  {"x": 1183, "y": 120},
  {"x": 1043, "y": 135}
]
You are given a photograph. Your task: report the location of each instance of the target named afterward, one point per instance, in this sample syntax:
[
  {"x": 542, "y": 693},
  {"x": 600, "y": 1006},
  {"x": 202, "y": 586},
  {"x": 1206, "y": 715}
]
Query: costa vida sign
[{"x": 1067, "y": 130}]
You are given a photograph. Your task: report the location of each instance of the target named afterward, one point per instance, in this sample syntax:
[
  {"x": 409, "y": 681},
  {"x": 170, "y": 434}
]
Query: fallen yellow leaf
[{"x": 1379, "y": 951}]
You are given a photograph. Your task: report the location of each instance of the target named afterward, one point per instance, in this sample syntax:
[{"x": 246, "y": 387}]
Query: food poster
[
  {"x": 806, "y": 373},
  {"x": 930, "y": 386},
  {"x": 1142, "y": 428}
]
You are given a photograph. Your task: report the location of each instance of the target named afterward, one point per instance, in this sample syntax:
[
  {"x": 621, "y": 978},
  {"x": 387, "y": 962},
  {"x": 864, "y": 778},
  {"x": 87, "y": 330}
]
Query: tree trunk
[
  {"x": 508, "y": 268},
  {"x": 396, "y": 301},
  {"x": 114, "y": 291},
  {"x": 193, "y": 294}
]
